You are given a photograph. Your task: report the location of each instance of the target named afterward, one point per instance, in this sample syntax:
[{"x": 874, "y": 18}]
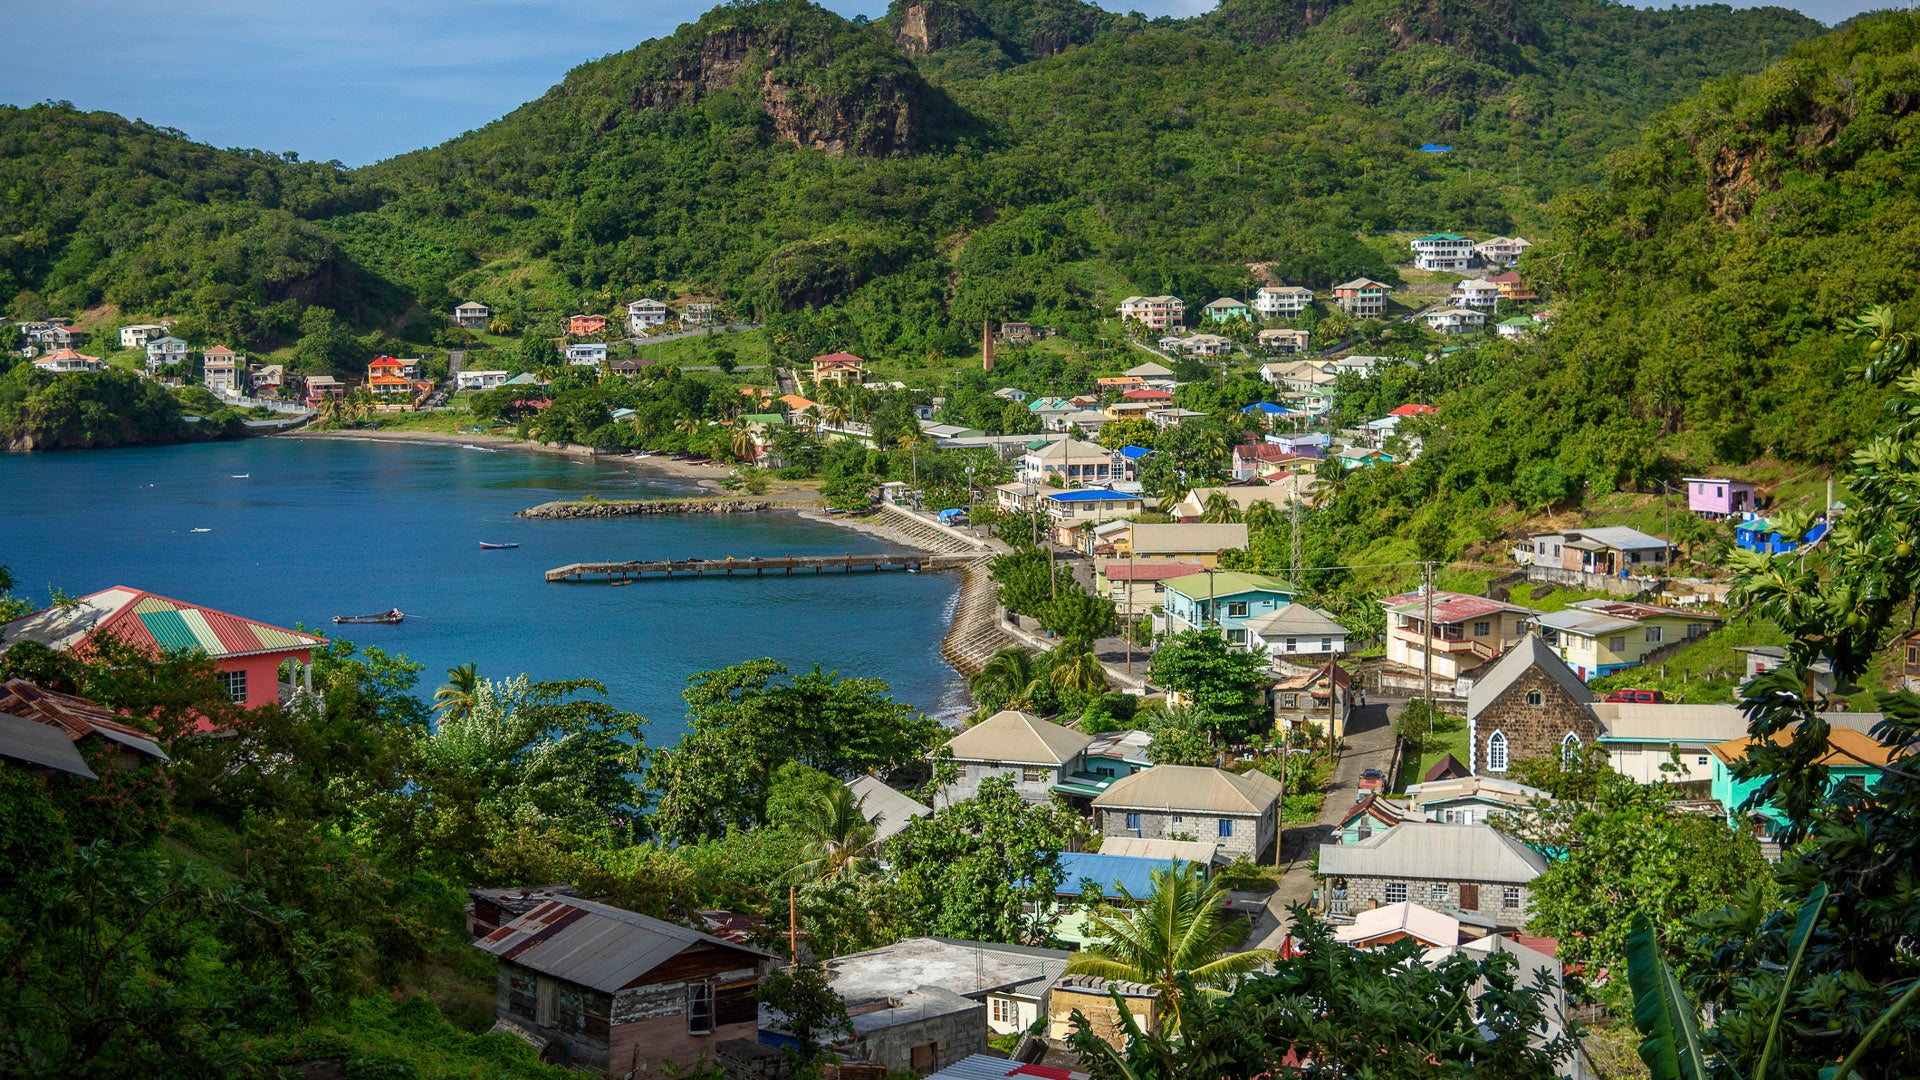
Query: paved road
[
  {"x": 1368, "y": 745},
  {"x": 730, "y": 328}
]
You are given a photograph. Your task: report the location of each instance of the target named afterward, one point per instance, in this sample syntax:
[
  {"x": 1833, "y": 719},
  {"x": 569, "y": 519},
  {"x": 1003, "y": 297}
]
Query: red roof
[
  {"x": 1511, "y": 277},
  {"x": 1412, "y": 410},
  {"x": 1262, "y": 451},
  {"x": 1149, "y": 571},
  {"x": 219, "y": 350},
  {"x": 839, "y": 359},
  {"x": 1449, "y": 607},
  {"x": 1147, "y": 394},
  {"x": 141, "y": 618}
]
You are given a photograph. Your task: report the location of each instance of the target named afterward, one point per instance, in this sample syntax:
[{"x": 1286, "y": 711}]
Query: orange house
[
  {"x": 585, "y": 325},
  {"x": 248, "y": 653}
]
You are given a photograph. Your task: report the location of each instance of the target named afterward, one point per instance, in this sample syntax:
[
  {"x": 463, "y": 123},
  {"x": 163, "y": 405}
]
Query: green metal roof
[
  {"x": 1226, "y": 583},
  {"x": 1439, "y": 236}
]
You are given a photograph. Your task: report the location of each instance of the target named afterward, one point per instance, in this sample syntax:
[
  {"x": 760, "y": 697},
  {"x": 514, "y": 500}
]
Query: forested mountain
[{"x": 886, "y": 186}]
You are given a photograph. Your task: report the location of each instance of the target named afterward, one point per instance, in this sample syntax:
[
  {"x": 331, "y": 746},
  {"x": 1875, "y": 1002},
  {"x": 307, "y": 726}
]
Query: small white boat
[
  {"x": 203, "y": 530},
  {"x": 482, "y": 449},
  {"x": 242, "y": 475}
]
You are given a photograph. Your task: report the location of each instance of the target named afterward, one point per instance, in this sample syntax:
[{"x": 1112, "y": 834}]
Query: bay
[{"x": 320, "y": 528}]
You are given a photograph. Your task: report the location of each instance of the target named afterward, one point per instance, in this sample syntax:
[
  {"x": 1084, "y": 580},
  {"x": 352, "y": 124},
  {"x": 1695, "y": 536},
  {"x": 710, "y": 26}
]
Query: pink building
[
  {"x": 248, "y": 653},
  {"x": 1714, "y": 498}
]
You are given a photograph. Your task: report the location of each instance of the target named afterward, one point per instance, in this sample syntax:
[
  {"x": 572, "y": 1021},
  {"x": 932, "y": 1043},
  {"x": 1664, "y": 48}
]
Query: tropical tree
[
  {"x": 742, "y": 444},
  {"x": 1219, "y": 509},
  {"x": 1006, "y": 680},
  {"x": 1262, "y": 516},
  {"x": 839, "y": 835},
  {"x": 1176, "y": 937},
  {"x": 1077, "y": 672},
  {"x": 455, "y": 700}
]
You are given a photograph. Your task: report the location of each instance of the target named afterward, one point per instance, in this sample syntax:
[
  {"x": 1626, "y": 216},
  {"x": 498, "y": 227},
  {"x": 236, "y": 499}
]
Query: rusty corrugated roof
[{"x": 596, "y": 945}]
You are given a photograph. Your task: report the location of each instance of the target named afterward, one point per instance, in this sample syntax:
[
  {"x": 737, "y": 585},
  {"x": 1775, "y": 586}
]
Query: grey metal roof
[
  {"x": 40, "y": 744},
  {"x": 1531, "y": 652},
  {"x": 597, "y": 945},
  {"x": 1620, "y": 537},
  {"x": 1020, "y": 738},
  {"x": 1419, "y": 850},
  {"x": 1298, "y": 620},
  {"x": 1195, "y": 788},
  {"x": 1585, "y": 623},
  {"x": 888, "y": 809}
]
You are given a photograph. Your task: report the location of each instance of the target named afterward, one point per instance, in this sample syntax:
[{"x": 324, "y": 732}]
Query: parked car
[
  {"x": 1372, "y": 780},
  {"x": 1638, "y": 697}
]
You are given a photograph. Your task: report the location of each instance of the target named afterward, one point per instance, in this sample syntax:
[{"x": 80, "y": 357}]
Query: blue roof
[
  {"x": 1112, "y": 872},
  {"x": 1267, "y": 407},
  {"x": 1089, "y": 495},
  {"x": 1434, "y": 148},
  {"x": 1134, "y": 453}
]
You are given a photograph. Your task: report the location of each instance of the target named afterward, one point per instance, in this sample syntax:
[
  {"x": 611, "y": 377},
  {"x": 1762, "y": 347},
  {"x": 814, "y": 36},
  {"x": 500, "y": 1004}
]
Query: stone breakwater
[{"x": 629, "y": 507}]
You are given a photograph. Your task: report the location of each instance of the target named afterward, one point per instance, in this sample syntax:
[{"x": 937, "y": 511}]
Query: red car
[{"x": 1638, "y": 697}]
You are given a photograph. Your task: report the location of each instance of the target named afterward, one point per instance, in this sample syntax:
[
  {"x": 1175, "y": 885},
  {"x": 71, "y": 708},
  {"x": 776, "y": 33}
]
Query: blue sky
[{"x": 361, "y": 80}]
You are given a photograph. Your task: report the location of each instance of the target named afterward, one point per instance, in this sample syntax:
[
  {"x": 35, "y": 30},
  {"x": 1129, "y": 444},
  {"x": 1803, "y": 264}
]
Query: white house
[
  {"x": 1442, "y": 251},
  {"x": 1454, "y": 320},
  {"x": 1154, "y": 312},
  {"x": 1297, "y": 630},
  {"x": 1284, "y": 341},
  {"x": 479, "y": 380},
  {"x": 66, "y": 360},
  {"x": 587, "y": 353},
  {"x": 698, "y": 314},
  {"x": 137, "y": 335},
  {"x": 471, "y": 315},
  {"x": 1502, "y": 250},
  {"x": 644, "y": 314},
  {"x": 1069, "y": 462},
  {"x": 220, "y": 371},
  {"x": 1208, "y": 345},
  {"x": 165, "y": 350},
  {"x": 1476, "y": 293},
  {"x": 1282, "y": 301}
]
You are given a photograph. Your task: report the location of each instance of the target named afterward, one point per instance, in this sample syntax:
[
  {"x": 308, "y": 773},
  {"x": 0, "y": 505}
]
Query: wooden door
[{"x": 1469, "y": 897}]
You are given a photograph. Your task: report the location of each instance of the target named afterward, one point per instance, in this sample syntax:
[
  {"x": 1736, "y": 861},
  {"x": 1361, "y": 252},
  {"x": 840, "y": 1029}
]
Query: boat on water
[
  {"x": 482, "y": 449},
  {"x": 484, "y": 546},
  {"x": 389, "y": 617},
  {"x": 243, "y": 476},
  {"x": 203, "y": 530}
]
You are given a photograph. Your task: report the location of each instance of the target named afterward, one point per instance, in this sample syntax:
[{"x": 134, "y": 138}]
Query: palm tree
[
  {"x": 1079, "y": 671},
  {"x": 833, "y": 414},
  {"x": 689, "y": 427},
  {"x": 840, "y": 838},
  {"x": 1262, "y": 516},
  {"x": 455, "y": 700},
  {"x": 742, "y": 444},
  {"x": 1219, "y": 509},
  {"x": 1007, "y": 678},
  {"x": 1180, "y": 928}
]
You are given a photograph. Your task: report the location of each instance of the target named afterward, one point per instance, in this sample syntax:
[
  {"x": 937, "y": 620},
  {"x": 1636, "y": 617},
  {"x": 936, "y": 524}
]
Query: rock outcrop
[{"x": 631, "y": 507}]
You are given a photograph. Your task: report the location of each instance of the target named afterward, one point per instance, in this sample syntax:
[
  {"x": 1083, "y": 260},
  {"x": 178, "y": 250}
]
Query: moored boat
[
  {"x": 393, "y": 615},
  {"x": 496, "y": 547}
]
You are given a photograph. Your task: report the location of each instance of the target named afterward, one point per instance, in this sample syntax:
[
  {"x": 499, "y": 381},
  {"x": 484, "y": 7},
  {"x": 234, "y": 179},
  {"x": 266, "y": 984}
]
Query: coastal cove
[{"x": 322, "y": 527}]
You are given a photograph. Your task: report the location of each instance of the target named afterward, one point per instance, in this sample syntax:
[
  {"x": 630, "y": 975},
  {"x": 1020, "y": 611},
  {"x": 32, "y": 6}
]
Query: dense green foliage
[{"x": 40, "y": 411}]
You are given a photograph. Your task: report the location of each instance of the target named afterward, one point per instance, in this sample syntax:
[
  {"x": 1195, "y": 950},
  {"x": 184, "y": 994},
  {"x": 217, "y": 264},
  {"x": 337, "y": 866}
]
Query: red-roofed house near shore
[
  {"x": 1139, "y": 586},
  {"x": 1468, "y": 631},
  {"x": 248, "y": 653},
  {"x": 1412, "y": 409}
]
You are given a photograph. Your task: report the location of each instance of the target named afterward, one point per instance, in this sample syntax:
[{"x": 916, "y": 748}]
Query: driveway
[{"x": 1368, "y": 745}]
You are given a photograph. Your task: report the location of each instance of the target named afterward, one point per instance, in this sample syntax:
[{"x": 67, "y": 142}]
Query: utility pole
[
  {"x": 1426, "y": 654},
  {"x": 1294, "y": 506},
  {"x": 793, "y": 925},
  {"x": 1126, "y": 628}
]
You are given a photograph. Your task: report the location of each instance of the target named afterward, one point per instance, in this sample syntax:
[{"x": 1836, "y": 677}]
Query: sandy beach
[{"x": 706, "y": 476}]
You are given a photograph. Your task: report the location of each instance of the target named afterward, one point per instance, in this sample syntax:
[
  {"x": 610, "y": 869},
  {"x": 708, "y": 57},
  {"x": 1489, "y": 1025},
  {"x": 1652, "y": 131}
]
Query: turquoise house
[
  {"x": 1226, "y": 310},
  {"x": 1853, "y": 759},
  {"x": 1223, "y": 600}
]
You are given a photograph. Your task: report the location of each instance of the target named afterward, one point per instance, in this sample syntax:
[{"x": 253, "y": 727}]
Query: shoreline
[{"x": 706, "y": 477}]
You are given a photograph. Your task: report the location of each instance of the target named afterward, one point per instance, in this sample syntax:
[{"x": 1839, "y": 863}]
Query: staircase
[
  {"x": 915, "y": 531},
  {"x": 976, "y": 634}
]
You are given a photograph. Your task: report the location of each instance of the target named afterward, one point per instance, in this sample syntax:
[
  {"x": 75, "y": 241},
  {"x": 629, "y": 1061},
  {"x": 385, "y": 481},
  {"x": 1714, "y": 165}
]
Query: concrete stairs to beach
[
  {"x": 915, "y": 531},
  {"x": 977, "y": 632}
]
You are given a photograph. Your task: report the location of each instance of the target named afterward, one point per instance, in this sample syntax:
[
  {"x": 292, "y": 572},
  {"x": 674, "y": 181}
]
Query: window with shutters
[
  {"x": 1497, "y": 752},
  {"x": 1226, "y": 827},
  {"x": 1396, "y": 892},
  {"x": 1004, "y": 1010},
  {"x": 1469, "y": 897}
]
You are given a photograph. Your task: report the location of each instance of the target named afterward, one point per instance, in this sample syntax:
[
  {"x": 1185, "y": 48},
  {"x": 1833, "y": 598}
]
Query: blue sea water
[{"x": 328, "y": 527}]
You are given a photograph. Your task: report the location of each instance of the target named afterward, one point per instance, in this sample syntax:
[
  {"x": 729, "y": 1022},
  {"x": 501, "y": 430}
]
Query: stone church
[{"x": 1530, "y": 705}]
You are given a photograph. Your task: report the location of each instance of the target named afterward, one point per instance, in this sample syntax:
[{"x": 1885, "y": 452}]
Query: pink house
[
  {"x": 1714, "y": 498},
  {"x": 248, "y": 653}
]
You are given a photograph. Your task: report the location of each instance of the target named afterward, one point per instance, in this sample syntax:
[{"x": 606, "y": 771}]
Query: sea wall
[{"x": 630, "y": 507}]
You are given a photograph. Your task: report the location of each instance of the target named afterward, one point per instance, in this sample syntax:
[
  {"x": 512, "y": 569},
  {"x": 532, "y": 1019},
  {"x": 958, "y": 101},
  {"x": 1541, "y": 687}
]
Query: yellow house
[
  {"x": 1195, "y": 543},
  {"x": 1599, "y": 637}
]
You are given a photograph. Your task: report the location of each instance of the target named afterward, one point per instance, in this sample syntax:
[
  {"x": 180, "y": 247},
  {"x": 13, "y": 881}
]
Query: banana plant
[{"x": 1673, "y": 1046}]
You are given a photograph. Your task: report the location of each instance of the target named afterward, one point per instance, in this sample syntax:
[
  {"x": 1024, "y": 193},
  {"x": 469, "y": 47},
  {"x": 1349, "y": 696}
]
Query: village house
[
  {"x": 1016, "y": 497},
  {"x": 644, "y": 314},
  {"x": 1067, "y": 463},
  {"x": 1153, "y": 312},
  {"x": 1138, "y": 587},
  {"x": 1301, "y": 375},
  {"x": 1373, "y": 813},
  {"x": 65, "y": 361},
  {"x": 1296, "y": 630},
  {"x": 1662, "y": 742},
  {"x": 586, "y": 325},
  {"x": 1185, "y": 541},
  {"x": 1756, "y": 533},
  {"x": 1386, "y": 427},
  {"x": 1468, "y": 631},
  {"x": 699, "y": 313},
  {"x": 472, "y": 316},
  {"x": 1501, "y": 250},
  {"x": 391, "y": 390},
  {"x": 1512, "y": 289},
  {"x": 52, "y": 732},
  {"x": 1127, "y": 460},
  {"x": 1319, "y": 701},
  {"x": 1601, "y": 636},
  {"x": 1152, "y": 396},
  {"x": 886, "y": 808},
  {"x": 479, "y": 380},
  {"x": 1155, "y": 375},
  {"x": 1125, "y": 410},
  {"x": 1207, "y": 345},
  {"x": 1454, "y": 320},
  {"x": 1016, "y": 333},
  {"x": 165, "y": 350},
  {"x": 1119, "y": 383},
  {"x": 1193, "y": 505},
  {"x": 1442, "y": 251},
  {"x": 838, "y": 368},
  {"x": 1364, "y": 366},
  {"x": 1853, "y": 760},
  {"x": 603, "y": 988},
  {"x": 925, "y": 1003},
  {"x": 316, "y": 389},
  {"x": 494, "y": 908},
  {"x": 1068, "y": 510},
  {"x": 1223, "y": 601},
  {"x": 587, "y": 353},
  {"x": 1530, "y": 705},
  {"x": 1471, "y": 869},
  {"x": 1090, "y": 999},
  {"x": 137, "y": 335},
  {"x": 220, "y": 371},
  {"x": 1311, "y": 444},
  {"x": 1225, "y": 310},
  {"x": 268, "y": 379},
  {"x": 1035, "y": 754},
  {"x": 1282, "y": 301},
  {"x": 1608, "y": 550},
  {"x": 1267, "y": 413},
  {"x": 1362, "y": 298},
  {"x": 1164, "y": 418},
  {"x": 1013, "y": 394},
  {"x": 1715, "y": 498},
  {"x": 1472, "y": 800},
  {"x": 248, "y": 654},
  {"x": 1517, "y": 327},
  {"x": 1405, "y": 921},
  {"x": 1276, "y": 342},
  {"x": 1475, "y": 293},
  {"x": 1238, "y": 811},
  {"x": 1124, "y": 880},
  {"x": 1354, "y": 457},
  {"x": 1249, "y": 458}
]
